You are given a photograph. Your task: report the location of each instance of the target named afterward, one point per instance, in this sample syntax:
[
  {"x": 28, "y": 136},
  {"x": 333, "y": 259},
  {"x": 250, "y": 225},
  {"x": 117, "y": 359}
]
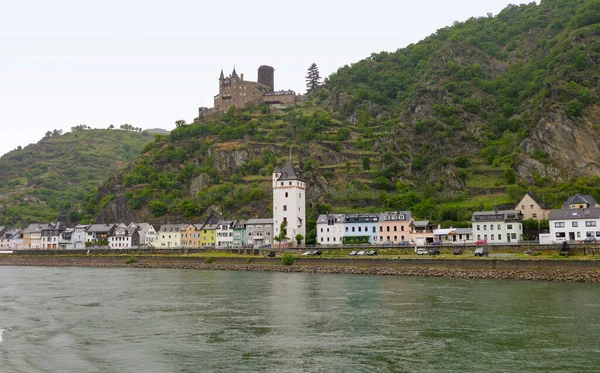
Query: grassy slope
[{"x": 53, "y": 177}]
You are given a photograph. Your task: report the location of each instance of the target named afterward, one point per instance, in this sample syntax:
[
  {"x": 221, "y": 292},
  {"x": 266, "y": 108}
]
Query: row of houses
[
  {"x": 399, "y": 228},
  {"x": 213, "y": 232}
]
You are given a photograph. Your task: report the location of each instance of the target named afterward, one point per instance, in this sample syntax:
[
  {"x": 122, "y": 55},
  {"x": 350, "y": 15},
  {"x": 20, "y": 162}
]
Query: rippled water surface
[{"x": 138, "y": 320}]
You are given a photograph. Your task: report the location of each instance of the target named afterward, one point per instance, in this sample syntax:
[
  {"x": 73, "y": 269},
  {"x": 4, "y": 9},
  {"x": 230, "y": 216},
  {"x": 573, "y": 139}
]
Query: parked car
[
  {"x": 589, "y": 240},
  {"x": 435, "y": 251},
  {"x": 312, "y": 252},
  {"x": 353, "y": 253},
  {"x": 362, "y": 252},
  {"x": 481, "y": 242},
  {"x": 438, "y": 242},
  {"x": 421, "y": 251},
  {"x": 372, "y": 252},
  {"x": 388, "y": 243},
  {"x": 403, "y": 243},
  {"x": 559, "y": 240},
  {"x": 457, "y": 252},
  {"x": 458, "y": 242},
  {"x": 481, "y": 251}
]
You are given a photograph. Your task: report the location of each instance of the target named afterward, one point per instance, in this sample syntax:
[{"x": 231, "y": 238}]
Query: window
[
  {"x": 559, "y": 224},
  {"x": 346, "y": 229},
  {"x": 491, "y": 227},
  {"x": 499, "y": 228},
  {"x": 499, "y": 237},
  {"x": 478, "y": 227},
  {"x": 509, "y": 226},
  {"x": 395, "y": 228},
  {"x": 286, "y": 194},
  {"x": 485, "y": 227},
  {"x": 574, "y": 224},
  {"x": 492, "y": 237},
  {"x": 402, "y": 228},
  {"x": 321, "y": 230},
  {"x": 590, "y": 223},
  {"x": 513, "y": 236},
  {"x": 523, "y": 207},
  {"x": 381, "y": 238},
  {"x": 387, "y": 229},
  {"x": 374, "y": 230},
  {"x": 578, "y": 234},
  {"x": 284, "y": 207},
  {"x": 299, "y": 195},
  {"x": 381, "y": 229},
  {"x": 353, "y": 229},
  {"x": 534, "y": 215}
]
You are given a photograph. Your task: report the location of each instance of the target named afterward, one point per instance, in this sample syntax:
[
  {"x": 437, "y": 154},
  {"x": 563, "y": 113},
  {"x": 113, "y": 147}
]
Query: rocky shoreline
[{"x": 591, "y": 276}]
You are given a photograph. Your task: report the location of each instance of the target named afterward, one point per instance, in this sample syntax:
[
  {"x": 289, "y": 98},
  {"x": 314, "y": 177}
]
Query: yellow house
[
  {"x": 208, "y": 235},
  {"x": 532, "y": 207},
  {"x": 190, "y": 236}
]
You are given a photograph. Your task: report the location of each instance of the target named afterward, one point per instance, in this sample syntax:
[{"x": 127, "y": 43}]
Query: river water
[{"x": 141, "y": 320}]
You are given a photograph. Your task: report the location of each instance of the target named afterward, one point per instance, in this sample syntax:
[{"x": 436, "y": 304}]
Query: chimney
[{"x": 242, "y": 76}]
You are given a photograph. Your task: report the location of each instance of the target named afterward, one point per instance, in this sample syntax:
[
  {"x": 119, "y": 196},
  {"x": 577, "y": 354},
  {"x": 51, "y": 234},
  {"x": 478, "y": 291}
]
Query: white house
[
  {"x": 124, "y": 237},
  {"x": 225, "y": 233},
  {"x": 79, "y": 236},
  {"x": 65, "y": 239},
  {"x": 574, "y": 224},
  {"x": 330, "y": 229},
  {"x": 147, "y": 233},
  {"x": 289, "y": 202},
  {"x": 497, "y": 226}
]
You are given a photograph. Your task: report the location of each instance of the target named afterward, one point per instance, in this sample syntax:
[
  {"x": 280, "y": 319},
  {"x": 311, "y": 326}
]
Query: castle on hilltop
[{"x": 235, "y": 91}]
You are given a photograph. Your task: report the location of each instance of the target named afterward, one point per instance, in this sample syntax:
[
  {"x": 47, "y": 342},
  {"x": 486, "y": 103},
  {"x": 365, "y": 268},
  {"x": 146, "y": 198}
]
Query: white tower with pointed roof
[{"x": 289, "y": 202}]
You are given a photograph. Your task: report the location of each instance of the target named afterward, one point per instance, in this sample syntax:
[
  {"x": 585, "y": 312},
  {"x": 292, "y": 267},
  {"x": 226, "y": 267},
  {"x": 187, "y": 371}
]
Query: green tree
[
  {"x": 282, "y": 233},
  {"x": 366, "y": 163},
  {"x": 299, "y": 239},
  {"x": 313, "y": 79},
  {"x": 179, "y": 123}
]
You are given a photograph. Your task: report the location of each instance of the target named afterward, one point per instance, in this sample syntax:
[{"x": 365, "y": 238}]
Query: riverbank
[{"x": 543, "y": 270}]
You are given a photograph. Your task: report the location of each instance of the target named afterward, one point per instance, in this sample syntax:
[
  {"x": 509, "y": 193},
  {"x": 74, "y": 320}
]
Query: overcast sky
[{"x": 149, "y": 63}]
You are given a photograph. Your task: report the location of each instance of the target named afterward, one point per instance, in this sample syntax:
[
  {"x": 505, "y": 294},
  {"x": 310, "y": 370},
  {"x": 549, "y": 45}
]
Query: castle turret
[
  {"x": 234, "y": 74},
  {"x": 222, "y": 77}
]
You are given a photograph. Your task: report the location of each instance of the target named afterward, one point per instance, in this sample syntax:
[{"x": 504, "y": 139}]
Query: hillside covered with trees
[
  {"x": 59, "y": 176},
  {"x": 469, "y": 118}
]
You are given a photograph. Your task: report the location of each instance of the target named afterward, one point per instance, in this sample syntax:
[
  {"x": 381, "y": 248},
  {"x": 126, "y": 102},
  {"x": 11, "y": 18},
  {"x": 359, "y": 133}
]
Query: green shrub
[
  {"x": 249, "y": 260},
  {"x": 287, "y": 259},
  {"x": 208, "y": 260},
  {"x": 131, "y": 260}
]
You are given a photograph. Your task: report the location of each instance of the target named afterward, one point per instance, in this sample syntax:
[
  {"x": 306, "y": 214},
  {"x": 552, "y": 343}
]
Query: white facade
[
  {"x": 224, "y": 233},
  {"x": 330, "y": 229},
  {"x": 259, "y": 232},
  {"x": 497, "y": 227},
  {"x": 574, "y": 225},
  {"x": 79, "y": 236},
  {"x": 147, "y": 233},
  {"x": 289, "y": 202}
]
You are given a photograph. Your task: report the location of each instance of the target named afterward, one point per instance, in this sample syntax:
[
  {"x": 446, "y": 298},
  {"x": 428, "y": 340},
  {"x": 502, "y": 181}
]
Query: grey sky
[{"x": 149, "y": 63}]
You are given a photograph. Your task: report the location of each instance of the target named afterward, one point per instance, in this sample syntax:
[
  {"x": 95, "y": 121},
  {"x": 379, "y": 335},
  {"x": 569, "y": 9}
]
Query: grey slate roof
[
  {"x": 288, "y": 172},
  {"x": 500, "y": 215},
  {"x": 259, "y": 221},
  {"x": 395, "y": 216},
  {"x": 34, "y": 227},
  {"x": 580, "y": 199},
  {"x": 573, "y": 214},
  {"x": 361, "y": 218},
  {"x": 339, "y": 218},
  {"x": 100, "y": 228},
  {"x": 537, "y": 199},
  {"x": 172, "y": 227}
]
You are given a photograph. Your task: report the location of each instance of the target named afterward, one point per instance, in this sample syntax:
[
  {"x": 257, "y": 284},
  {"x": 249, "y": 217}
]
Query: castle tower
[
  {"x": 266, "y": 76},
  {"x": 289, "y": 202}
]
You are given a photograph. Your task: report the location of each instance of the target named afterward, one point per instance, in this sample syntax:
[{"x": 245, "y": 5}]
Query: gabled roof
[
  {"x": 324, "y": 218},
  {"x": 535, "y": 198},
  {"x": 100, "y": 228},
  {"x": 575, "y": 214},
  {"x": 288, "y": 172},
  {"x": 213, "y": 219},
  {"x": 395, "y": 216},
  {"x": 580, "y": 199},
  {"x": 34, "y": 227},
  {"x": 234, "y": 74},
  {"x": 421, "y": 224},
  {"x": 172, "y": 227}
]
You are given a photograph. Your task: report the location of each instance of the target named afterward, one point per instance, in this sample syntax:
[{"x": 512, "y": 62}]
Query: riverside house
[
  {"x": 124, "y": 237},
  {"x": 11, "y": 239},
  {"x": 394, "y": 227},
  {"x": 80, "y": 236},
  {"x": 190, "y": 236},
  {"x": 65, "y": 239},
  {"x": 532, "y": 207},
  {"x": 32, "y": 236},
  {"x": 50, "y": 235},
  {"x": 361, "y": 228},
  {"x": 98, "y": 234},
  {"x": 208, "y": 235},
  {"x": 259, "y": 232},
  {"x": 169, "y": 236},
  {"x": 575, "y": 225},
  {"x": 239, "y": 234},
  {"x": 330, "y": 229},
  {"x": 147, "y": 233},
  {"x": 421, "y": 232},
  {"x": 224, "y": 233},
  {"x": 498, "y": 226}
]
